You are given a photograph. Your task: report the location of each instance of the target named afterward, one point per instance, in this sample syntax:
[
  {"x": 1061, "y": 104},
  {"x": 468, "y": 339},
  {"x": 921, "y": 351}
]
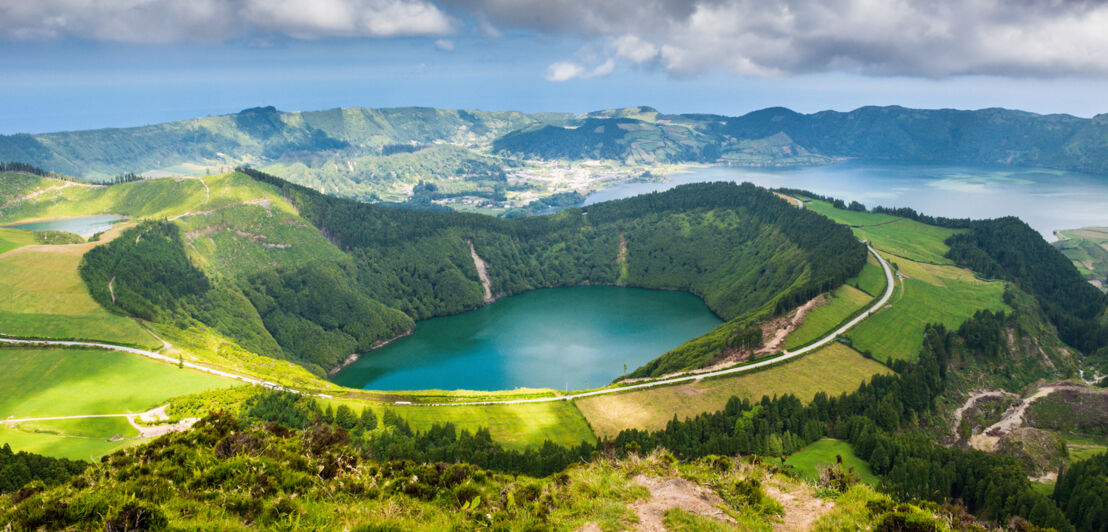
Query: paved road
[
  {"x": 148, "y": 354},
  {"x": 740, "y": 369}
]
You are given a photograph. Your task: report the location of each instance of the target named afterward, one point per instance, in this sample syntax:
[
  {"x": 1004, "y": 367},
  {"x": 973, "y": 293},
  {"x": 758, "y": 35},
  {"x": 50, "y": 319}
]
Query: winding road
[
  {"x": 890, "y": 287},
  {"x": 148, "y": 354}
]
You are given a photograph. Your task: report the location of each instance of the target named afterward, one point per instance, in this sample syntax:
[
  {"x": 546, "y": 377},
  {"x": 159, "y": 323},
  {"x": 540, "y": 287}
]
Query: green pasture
[{"x": 824, "y": 452}]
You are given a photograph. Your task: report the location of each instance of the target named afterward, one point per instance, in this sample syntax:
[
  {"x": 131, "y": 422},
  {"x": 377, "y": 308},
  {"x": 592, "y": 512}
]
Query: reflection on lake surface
[
  {"x": 1046, "y": 199},
  {"x": 85, "y": 226},
  {"x": 575, "y": 337}
]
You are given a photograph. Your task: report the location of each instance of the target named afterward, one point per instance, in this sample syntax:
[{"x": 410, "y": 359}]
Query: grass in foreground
[
  {"x": 929, "y": 294},
  {"x": 48, "y": 382},
  {"x": 824, "y": 452},
  {"x": 833, "y": 369}
]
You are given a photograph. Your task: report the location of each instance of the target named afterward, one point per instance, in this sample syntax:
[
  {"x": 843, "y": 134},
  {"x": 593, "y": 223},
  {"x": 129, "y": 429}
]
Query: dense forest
[
  {"x": 1082, "y": 492},
  {"x": 747, "y": 253},
  {"x": 19, "y": 469},
  {"x": 1009, "y": 249}
]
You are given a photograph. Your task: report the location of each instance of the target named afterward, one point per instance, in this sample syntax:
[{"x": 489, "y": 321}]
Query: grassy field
[
  {"x": 840, "y": 304},
  {"x": 898, "y": 236},
  {"x": 43, "y": 438},
  {"x": 245, "y": 239},
  {"x": 823, "y": 452},
  {"x": 46, "y": 382},
  {"x": 49, "y": 382},
  {"x": 843, "y": 216},
  {"x": 513, "y": 425},
  {"x": 871, "y": 280},
  {"x": 151, "y": 198},
  {"x": 929, "y": 288},
  {"x": 44, "y": 297},
  {"x": 1088, "y": 249},
  {"x": 1083, "y": 447},
  {"x": 833, "y": 369},
  {"x": 929, "y": 294},
  {"x": 14, "y": 238}
]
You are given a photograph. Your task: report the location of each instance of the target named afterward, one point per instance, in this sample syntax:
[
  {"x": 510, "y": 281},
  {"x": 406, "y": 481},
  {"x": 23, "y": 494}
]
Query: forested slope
[
  {"x": 747, "y": 253},
  {"x": 241, "y": 269}
]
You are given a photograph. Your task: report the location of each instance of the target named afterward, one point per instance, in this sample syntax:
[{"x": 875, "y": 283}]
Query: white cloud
[
  {"x": 445, "y": 45},
  {"x": 567, "y": 70},
  {"x": 218, "y": 20}
]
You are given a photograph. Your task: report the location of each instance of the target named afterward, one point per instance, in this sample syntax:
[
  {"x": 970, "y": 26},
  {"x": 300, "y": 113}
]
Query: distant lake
[
  {"x": 85, "y": 226},
  {"x": 1048, "y": 200},
  {"x": 578, "y": 337}
]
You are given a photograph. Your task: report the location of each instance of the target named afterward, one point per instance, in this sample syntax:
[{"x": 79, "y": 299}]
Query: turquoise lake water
[{"x": 578, "y": 337}]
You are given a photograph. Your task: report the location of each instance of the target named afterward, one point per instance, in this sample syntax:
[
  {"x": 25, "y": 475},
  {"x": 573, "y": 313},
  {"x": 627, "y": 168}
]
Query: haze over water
[{"x": 1048, "y": 200}]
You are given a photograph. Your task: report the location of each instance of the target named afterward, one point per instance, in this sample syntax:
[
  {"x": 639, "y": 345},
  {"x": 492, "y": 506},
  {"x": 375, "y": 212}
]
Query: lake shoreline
[{"x": 354, "y": 357}]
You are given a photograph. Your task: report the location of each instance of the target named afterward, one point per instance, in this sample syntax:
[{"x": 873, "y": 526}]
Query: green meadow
[
  {"x": 517, "y": 425},
  {"x": 48, "y": 382},
  {"x": 834, "y": 369},
  {"x": 825, "y": 452},
  {"x": 926, "y": 294},
  {"x": 840, "y": 304}
]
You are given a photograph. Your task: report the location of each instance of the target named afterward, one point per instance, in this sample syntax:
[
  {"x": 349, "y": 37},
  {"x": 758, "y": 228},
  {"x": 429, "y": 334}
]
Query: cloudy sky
[{"x": 74, "y": 64}]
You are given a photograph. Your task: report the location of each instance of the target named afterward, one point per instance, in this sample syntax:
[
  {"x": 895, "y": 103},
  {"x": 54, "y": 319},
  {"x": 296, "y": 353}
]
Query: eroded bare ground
[
  {"x": 673, "y": 492},
  {"x": 802, "y": 507}
]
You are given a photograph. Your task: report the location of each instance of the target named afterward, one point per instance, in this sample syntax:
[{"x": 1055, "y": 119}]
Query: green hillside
[{"x": 1088, "y": 249}]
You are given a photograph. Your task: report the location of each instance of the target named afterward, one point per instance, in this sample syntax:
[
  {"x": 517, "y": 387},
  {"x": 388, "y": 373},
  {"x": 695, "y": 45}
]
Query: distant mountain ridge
[{"x": 348, "y": 144}]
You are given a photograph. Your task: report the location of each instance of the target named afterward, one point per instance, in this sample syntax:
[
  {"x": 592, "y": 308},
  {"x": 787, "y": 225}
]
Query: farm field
[
  {"x": 47, "y": 438},
  {"x": 839, "y": 305},
  {"x": 834, "y": 369},
  {"x": 48, "y": 382},
  {"x": 898, "y": 236},
  {"x": 46, "y": 298},
  {"x": 824, "y": 452},
  {"x": 51, "y": 382},
  {"x": 927, "y": 293}
]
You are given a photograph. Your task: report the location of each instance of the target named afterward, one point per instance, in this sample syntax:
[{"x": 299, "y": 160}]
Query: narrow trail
[{"x": 41, "y": 192}]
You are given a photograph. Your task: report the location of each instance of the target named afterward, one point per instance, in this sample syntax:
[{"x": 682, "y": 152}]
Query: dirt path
[
  {"x": 111, "y": 288},
  {"x": 1012, "y": 419},
  {"x": 40, "y": 192},
  {"x": 802, "y": 507},
  {"x": 971, "y": 401},
  {"x": 482, "y": 272},
  {"x": 666, "y": 493}
]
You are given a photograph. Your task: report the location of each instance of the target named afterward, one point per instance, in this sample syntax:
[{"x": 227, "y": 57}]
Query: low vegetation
[{"x": 833, "y": 370}]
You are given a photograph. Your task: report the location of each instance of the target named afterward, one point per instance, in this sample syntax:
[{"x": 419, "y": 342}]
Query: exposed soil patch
[
  {"x": 666, "y": 493},
  {"x": 802, "y": 507},
  {"x": 482, "y": 273},
  {"x": 779, "y": 329}
]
